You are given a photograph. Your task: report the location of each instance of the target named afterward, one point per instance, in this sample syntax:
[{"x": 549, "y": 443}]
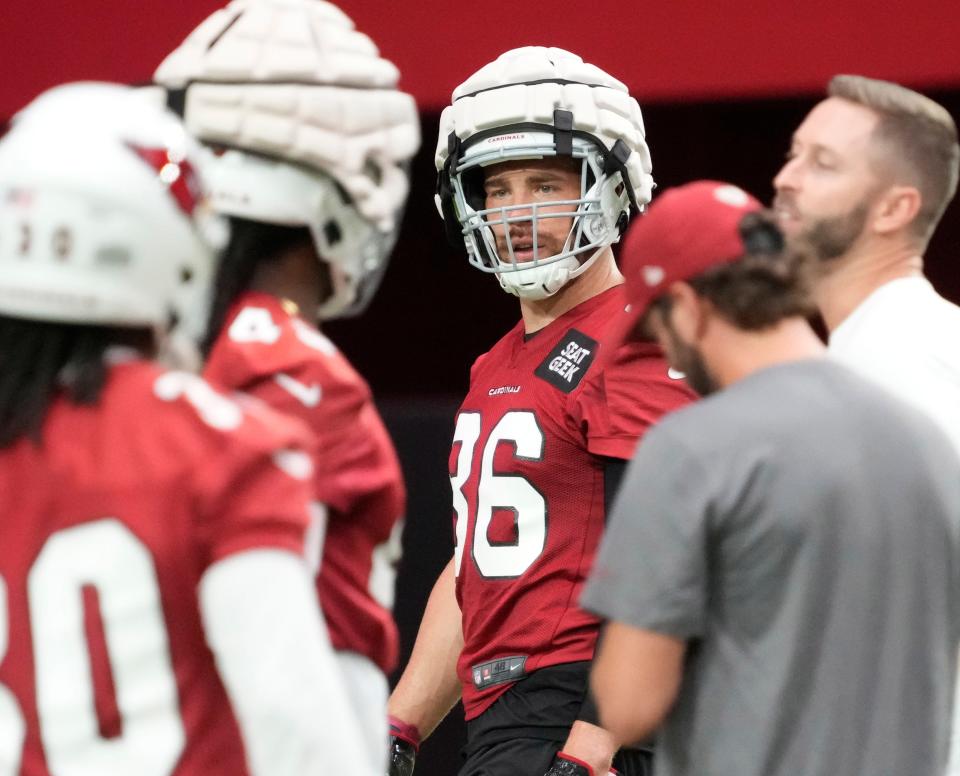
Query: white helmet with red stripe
[
  {"x": 102, "y": 214},
  {"x": 315, "y": 131}
]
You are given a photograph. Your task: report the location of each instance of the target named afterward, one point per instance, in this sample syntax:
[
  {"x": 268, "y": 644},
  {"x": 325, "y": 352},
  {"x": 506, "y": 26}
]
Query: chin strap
[{"x": 544, "y": 281}]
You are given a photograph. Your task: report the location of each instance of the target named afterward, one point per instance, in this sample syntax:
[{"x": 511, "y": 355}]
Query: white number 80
[{"x": 106, "y": 555}]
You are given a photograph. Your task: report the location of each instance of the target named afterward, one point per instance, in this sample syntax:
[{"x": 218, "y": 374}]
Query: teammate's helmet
[
  {"x": 532, "y": 103},
  {"x": 317, "y": 133},
  {"x": 102, "y": 215}
]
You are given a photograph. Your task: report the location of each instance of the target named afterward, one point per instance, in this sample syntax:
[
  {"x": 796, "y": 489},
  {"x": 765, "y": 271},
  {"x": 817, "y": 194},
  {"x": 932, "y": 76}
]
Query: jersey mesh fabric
[
  {"x": 357, "y": 474},
  {"x": 187, "y": 492},
  {"x": 584, "y": 405}
]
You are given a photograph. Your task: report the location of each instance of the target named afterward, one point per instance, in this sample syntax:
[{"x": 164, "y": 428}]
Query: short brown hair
[
  {"x": 769, "y": 283},
  {"x": 920, "y": 136}
]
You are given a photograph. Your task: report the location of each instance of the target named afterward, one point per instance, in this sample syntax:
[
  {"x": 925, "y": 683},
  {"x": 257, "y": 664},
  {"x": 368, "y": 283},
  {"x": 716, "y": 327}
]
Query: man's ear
[
  {"x": 896, "y": 209},
  {"x": 689, "y": 313}
]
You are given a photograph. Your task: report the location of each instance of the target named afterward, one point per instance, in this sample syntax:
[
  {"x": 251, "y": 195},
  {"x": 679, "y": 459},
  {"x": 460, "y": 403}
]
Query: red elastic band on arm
[
  {"x": 576, "y": 760},
  {"x": 407, "y": 732}
]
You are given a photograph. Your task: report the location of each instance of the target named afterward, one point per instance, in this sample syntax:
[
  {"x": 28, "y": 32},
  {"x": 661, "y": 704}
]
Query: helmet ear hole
[
  {"x": 176, "y": 100},
  {"x": 332, "y": 232},
  {"x": 623, "y": 222},
  {"x": 373, "y": 170},
  {"x": 326, "y": 282},
  {"x": 451, "y": 222},
  {"x": 473, "y": 191}
]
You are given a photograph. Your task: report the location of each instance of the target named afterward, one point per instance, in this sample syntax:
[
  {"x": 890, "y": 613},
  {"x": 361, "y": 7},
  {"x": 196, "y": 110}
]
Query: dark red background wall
[{"x": 665, "y": 50}]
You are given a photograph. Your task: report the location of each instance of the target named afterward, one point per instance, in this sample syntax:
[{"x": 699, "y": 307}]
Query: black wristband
[{"x": 403, "y": 757}]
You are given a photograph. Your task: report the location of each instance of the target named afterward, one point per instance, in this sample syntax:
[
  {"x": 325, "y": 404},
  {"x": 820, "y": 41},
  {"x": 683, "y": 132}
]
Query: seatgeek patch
[{"x": 569, "y": 361}]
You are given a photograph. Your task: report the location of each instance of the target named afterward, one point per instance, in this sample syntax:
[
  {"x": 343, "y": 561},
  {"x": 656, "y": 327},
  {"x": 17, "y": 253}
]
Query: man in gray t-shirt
[{"x": 779, "y": 571}]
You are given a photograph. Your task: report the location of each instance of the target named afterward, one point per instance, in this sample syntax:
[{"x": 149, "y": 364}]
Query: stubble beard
[
  {"x": 697, "y": 375},
  {"x": 831, "y": 238},
  {"x": 689, "y": 360}
]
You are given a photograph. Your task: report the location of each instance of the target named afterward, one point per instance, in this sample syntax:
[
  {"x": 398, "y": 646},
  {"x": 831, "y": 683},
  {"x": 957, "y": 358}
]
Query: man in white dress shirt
[{"x": 869, "y": 174}]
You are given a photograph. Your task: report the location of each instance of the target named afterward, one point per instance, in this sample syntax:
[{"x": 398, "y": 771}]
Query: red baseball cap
[{"x": 687, "y": 230}]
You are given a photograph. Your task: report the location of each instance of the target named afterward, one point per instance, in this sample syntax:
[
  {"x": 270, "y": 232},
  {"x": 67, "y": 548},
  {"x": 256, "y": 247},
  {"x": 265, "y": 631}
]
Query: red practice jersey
[
  {"x": 269, "y": 351},
  {"x": 527, "y": 471},
  {"x": 108, "y": 526}
]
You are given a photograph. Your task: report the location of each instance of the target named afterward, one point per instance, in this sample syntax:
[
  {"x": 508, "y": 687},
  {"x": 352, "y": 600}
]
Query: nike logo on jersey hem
[
  {"x": 308, "y": 395},
  {"x": 508, "y": 669}
]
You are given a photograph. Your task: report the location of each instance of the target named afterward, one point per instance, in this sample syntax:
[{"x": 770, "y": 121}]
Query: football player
[
  {"x": 542, "y": 161},
  {"x": 312, "y": 140},
  {"x": 157, "y": 614}
]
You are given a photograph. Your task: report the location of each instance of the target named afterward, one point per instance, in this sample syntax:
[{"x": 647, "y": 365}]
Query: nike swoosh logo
[
  {"x": 675, "y": 374},
  {"x": 308, "y": 395}
]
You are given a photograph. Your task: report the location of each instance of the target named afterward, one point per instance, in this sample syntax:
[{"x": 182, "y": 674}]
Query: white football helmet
[
  {"x": 532, "y": 103},
  {"x": 308, "y": 109},
  {"x": 103, "y": 218}
]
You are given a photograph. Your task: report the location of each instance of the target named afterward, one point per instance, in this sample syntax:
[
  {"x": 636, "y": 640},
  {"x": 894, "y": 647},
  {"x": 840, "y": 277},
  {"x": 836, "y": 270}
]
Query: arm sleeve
[
  {"x": 262, "y": 622},
  {"x": 651, "y": 571},
  {"x": 621, "y": 401}
]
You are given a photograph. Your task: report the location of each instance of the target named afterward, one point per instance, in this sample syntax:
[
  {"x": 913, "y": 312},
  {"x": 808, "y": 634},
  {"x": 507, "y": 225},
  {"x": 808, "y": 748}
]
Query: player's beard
[
  {"x": 686, "y": 358},
  {"x": 547, "y": 245},
  {"x": 830, "y": 237},
  {"x": 696, "y": 373}
]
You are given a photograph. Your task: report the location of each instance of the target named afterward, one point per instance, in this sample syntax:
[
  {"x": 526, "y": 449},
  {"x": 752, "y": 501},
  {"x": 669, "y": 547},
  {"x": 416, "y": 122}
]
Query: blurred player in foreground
[
  {"x": 780, "y": 572},
  {"x": 542, "y": 162},
  {"x": 156, "y": 608},
  {"x": 869, "y": 174},
  {"x": 312, "y": 141}
]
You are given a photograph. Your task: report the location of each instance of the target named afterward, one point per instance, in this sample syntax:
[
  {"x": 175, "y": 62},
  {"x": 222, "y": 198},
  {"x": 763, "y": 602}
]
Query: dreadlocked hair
[
  {"x": 39, "y": 361},
  {"x": 251, "y": 244}
]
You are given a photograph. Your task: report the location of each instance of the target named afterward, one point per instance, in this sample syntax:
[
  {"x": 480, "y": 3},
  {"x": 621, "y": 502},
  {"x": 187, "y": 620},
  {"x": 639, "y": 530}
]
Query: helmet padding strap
[
  {"x": 563, "y": 132},
  {"x": 616, "y": 161}
]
